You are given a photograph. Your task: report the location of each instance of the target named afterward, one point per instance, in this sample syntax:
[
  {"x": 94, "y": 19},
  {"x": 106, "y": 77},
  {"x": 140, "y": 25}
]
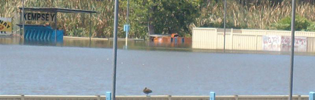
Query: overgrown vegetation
[
  {"x": 301, "y": 23},
  {"x": 170, "y": 16}
]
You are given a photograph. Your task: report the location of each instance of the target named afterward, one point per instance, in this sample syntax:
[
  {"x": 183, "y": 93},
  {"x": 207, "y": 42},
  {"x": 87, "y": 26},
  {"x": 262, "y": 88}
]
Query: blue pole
[
  {"x": 212, "y": 96},
  {"x": 311, "y": 96},
  {"x": 108, "y": 96},
  {"x": 126, "y": 29}
]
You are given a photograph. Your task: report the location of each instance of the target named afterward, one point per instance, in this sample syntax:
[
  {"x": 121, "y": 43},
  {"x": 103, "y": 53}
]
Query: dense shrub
[{"x": 301, "y": 23}]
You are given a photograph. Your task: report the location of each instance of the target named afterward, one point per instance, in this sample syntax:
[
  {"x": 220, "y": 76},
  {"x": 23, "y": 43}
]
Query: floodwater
[
  {"x": 61, "y": 70},
  {"x": 101, "y": 43}
]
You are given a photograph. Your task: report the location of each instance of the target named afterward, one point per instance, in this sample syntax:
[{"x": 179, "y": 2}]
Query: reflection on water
[
  {"x": 9, "y": 40},
  {"x": 104, "y": 43},
  {"x": 134, "y": 45}
]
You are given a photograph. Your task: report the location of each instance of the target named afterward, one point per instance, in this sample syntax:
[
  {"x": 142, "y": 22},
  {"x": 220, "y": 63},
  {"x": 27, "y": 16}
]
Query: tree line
[{"x": 164, "y": 16}]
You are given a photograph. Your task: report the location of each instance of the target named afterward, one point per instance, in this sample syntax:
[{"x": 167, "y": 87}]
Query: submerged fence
[
  {"x": 247, "y": 39},
  {"x": 153, "y": 97}
]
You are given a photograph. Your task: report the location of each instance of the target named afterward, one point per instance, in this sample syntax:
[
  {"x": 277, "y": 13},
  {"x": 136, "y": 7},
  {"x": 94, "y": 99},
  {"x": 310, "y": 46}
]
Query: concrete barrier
[
  {"x": 242, "y": 39},
  {"x": 311, "y": 96}
]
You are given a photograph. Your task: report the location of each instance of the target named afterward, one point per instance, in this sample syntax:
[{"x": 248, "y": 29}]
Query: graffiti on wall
[
  {"x": 283, "y": 43},
  {"x": 271, "y": 43}
]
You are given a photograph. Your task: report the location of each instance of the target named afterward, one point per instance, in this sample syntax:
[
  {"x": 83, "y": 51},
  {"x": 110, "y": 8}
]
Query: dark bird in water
[{"x": 147, "y": 91}]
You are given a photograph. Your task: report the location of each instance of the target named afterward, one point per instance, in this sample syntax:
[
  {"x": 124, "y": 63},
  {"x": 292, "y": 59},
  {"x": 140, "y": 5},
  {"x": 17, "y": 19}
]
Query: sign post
[{"x": 127, "y": 27}]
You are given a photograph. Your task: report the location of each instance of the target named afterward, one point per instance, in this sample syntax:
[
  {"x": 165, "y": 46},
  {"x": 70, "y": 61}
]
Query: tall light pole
[
  {"x": 292, "y": 48},
  {"x": 224, "y": 25},
  {"x": 115, "y": 48}
]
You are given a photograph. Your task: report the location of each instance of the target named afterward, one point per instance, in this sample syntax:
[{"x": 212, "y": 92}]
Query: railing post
[
  {"x": 22, "y": 97},
  {"x": 98, "y": 97},
  {"x": 236, "y": 97},
  {"x": 212, "y": 96},
  {"x": 169, "y": 97},
  {"x": 311, "y": 96},
  {"x": 108, "y": 95}
]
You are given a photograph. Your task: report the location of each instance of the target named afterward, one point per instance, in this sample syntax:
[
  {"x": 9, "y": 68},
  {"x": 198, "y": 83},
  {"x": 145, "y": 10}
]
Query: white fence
[{"x": 241, "y": 39}]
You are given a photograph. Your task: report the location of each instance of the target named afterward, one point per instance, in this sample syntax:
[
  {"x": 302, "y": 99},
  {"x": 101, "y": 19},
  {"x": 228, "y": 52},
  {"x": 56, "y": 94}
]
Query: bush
[
  {"x": 301, "y": 23},
  {"x": 187, "y": 36},
  {"x": 311, "y": 27}
]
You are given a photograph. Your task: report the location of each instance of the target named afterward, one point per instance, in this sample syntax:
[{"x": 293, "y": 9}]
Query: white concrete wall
[{"x": 241, "y": 39}]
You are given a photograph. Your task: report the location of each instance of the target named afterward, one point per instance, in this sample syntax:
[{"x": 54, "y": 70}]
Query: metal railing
[{"x": 152, "y": 97}]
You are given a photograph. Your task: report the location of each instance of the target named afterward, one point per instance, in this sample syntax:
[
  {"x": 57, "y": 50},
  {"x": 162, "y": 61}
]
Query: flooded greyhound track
[{"x": 62, "y": 70}]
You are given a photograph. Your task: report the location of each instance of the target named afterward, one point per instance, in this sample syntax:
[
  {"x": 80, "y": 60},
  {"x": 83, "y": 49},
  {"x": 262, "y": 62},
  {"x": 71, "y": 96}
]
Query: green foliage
[
  {"x": 176, "y": 16},
  {"x": 166, "y": 16},
  {"x": 311, "y": 27},
  {"x": 301, "y": 23},
  {"x": 187, "y": 35},
  {"x": 169, "y": 16}
]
